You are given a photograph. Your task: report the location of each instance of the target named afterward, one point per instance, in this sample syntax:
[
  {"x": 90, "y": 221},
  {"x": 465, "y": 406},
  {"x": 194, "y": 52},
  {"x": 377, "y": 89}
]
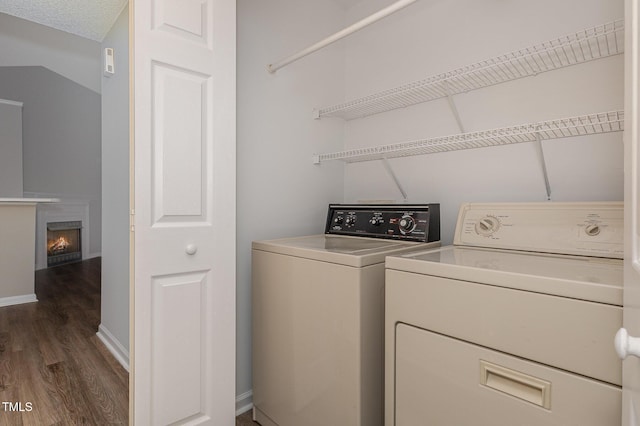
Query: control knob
[
  {"x": 407, "y": 224},
  {"x": 338, "y": 220},
  {"x": 592, "y": 229},
  {"x": 350, "y": 220},
  {"x": 487, "y": 226}
]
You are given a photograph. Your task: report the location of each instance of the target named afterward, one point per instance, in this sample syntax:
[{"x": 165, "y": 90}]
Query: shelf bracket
[
  {"x": 389, "y": 170},
  {"x": 453, "y": 107},
  {"x": 543, "y": 164}
]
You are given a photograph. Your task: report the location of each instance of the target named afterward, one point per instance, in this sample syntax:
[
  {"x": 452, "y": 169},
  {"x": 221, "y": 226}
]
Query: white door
[
  {"x": 631, "y": 320},
  {"x": 184, "y": 215}
]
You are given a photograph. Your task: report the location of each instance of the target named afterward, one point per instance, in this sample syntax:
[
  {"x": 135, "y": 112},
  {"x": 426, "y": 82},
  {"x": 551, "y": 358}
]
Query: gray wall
[
  {"x": 115, "y": 187},
  {"x": 61, "y": 137},
  {"x": 27, "y": 43},
  {"x": 10, "y": 149}
]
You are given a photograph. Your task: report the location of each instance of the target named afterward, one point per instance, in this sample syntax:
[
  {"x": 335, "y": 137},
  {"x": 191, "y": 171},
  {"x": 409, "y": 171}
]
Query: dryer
[
  {"x": 513, "y": 324},
  {"x": 318, "y": 306}
]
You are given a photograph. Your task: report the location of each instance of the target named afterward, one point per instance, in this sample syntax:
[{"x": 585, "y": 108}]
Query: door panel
[
  {"x": 184, "y": 19},
  {"x": 178, "y": 322},
  {"x": 180, "y": 144},
  {"x": 184, "y": 184}
]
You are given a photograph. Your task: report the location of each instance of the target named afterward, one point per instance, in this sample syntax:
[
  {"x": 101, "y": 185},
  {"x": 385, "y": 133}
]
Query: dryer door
[{"x": 441, "y": 380}]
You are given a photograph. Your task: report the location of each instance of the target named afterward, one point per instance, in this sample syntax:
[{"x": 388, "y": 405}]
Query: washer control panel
[{"x": 408, "y": 222}]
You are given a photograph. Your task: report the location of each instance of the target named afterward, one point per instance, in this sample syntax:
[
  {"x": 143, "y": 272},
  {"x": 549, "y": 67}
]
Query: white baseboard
[
  {"x": 244, "y": 402},
  {"x": 114, "y": 346},
  {"x": 18, "y": 300}
]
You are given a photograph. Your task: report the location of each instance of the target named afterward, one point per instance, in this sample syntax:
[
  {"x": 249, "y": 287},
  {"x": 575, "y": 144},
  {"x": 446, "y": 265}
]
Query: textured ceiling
[
  {"x": 90, "y": 19},
  {"x": 347, "y": 4}
]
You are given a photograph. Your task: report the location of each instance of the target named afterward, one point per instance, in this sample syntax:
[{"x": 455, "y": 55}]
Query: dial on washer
[{"x": 407, "y": 224}]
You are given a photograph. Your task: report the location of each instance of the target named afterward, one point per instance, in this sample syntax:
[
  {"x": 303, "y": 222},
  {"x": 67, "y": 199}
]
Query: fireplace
[
  {"x": 64, "y": 242},
  {"x": 67, "y": 210}
]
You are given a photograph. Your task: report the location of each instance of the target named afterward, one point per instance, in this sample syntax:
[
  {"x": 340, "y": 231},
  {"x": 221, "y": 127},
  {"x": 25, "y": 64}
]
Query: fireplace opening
[{"x": 63, "y": 242}]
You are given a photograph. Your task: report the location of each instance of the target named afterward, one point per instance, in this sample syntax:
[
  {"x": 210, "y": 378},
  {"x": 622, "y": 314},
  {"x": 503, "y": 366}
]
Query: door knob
[
  {"x": 191, "y": 249},
  {"x": 626, "y": 345}
]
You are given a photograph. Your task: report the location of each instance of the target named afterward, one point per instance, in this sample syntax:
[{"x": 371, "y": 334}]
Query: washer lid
[
  {"x": 349, "y": 251},
  {"x": 579, "y": 277}
]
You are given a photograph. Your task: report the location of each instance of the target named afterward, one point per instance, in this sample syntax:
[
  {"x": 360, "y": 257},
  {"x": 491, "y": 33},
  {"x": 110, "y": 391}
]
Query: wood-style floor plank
[
  {"x": 245, "y": 419},
  {"x": 9, "y": 382},
  {"x": 121, "y": 373},
  {"x": 37, "y": 383},
  {"x": 50, "y": 355}
]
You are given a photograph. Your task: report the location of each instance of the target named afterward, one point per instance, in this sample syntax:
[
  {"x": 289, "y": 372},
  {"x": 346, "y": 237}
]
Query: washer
[
  {"x": 513, "y": 324},
  {"x": 318, "y": 306}
]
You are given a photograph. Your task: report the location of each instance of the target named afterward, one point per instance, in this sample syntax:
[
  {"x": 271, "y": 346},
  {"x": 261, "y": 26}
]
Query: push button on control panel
[{"x": 376, "y": 221}]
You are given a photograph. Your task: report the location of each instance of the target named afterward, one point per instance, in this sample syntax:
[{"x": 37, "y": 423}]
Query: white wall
[
  {"x": 432, "y": 37},
  {"x": 27, "y": 43},
  {"x": 280, "y": 192},
  {"x": 115, "y": 191},
  {"x": 278, "y": 188}
]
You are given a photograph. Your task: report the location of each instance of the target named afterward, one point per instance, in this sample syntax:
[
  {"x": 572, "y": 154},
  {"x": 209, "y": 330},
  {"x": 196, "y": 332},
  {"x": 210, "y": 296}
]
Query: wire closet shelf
[
  {"x": 583, "y": 125},
  {"x": 586, "y": 45}
]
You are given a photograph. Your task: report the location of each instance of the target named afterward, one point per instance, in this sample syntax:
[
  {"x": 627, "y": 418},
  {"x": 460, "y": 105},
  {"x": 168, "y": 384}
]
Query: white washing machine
[
  {"x": 513, "y": 324},
  {"x": 318, "y": 306}
]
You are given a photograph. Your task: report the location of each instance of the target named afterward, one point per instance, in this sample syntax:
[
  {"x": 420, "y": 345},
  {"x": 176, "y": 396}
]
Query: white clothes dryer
[
  {"x": 318, "y": 306},
  {"x": 513, "y": 324}
]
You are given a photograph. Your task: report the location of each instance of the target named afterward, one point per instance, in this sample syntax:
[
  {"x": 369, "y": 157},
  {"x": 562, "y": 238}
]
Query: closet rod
[{"x": 341, "y": 34}]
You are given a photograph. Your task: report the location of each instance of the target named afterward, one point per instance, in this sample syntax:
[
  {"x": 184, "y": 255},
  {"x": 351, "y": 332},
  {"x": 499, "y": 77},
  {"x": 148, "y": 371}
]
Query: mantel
[{"x": 23, "y": 201}]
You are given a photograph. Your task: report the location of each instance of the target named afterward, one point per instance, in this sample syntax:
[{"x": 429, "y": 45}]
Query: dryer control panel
[
  {"x": 407, "y": 222},
  {"x": 593, "y": 229}
]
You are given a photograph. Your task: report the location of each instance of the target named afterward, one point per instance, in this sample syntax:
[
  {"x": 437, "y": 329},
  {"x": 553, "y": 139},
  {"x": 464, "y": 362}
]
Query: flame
[{"x": 59, "y": 245}]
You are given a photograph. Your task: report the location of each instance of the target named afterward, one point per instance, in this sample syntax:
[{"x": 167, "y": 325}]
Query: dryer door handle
[{"x": 626, "y": 345}]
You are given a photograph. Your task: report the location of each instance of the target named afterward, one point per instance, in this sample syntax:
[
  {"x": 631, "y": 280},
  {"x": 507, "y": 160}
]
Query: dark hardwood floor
[
  {"x": 245, "y": 419},
  {"x": 53, "y": 368}
]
